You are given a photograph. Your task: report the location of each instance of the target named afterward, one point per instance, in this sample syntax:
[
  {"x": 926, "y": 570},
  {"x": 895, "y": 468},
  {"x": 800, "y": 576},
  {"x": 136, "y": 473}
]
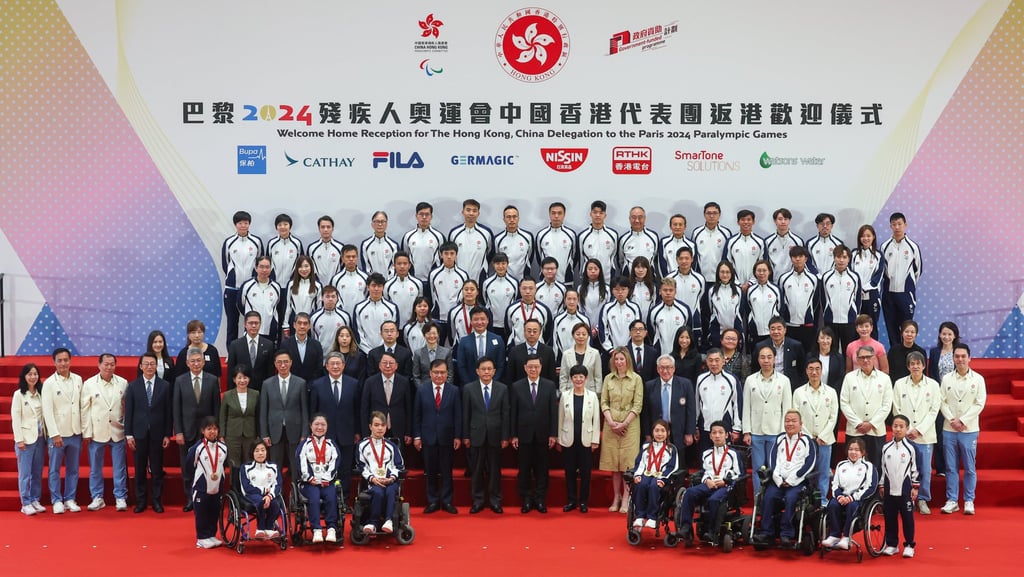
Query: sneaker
[
  {"x": 121, "y": 504},
  {"x": 968, "y": 507},
  {"x": 369, "y": 528},
  {"x": 215, "y": 542},
  {"x": 951, "y": 507},
  {"x": 651, "y": 524},
  {"x": 73, "y": 507},
  {"x": 922, "y": 508},
  {"x": 639, "y": 523},
  {"x": 829, "y": 542},
  {"x": 38, "y": 507},
  {"x": 260, "y": 534},
  {"x": 271, "y": 534},
  {"x": 332, "y": 536},
  {"x": 58, "y": 508},
  {"x": 28, "y": 511},
  {"x": 207, "y": 543},
  {"x": 908, "y": 552},
  {"x": 843, "y": 544},
  {"x": 96, "y": 504},
  {"x": 890, "y": 551},
  {"x": 318, "y": 535},
  {"x": 388, "y": 526}
]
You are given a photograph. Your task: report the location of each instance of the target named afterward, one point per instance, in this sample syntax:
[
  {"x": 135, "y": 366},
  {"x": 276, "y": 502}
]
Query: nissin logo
[
  {"x": 564, "y": 159},
  {"x": 394, "y": 160}
]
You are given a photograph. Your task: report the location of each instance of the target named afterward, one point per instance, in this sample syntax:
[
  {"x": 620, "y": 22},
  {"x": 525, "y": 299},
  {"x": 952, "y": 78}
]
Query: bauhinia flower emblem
[{"x": 532, "y": 45}]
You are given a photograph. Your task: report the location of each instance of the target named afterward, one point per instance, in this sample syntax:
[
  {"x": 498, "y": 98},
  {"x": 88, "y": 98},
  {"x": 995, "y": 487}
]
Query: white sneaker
[
  {"x": 318, "y": 535},
  {"x": 651, "y": 524},
  {"x": 890, "y": 551},
  {"x": 908, "y": 552},
  {"x": 38, "y": 507},
  {"x": 260, "y": 534},
  {"x": 922, "y": 508},
  {"x": 829, "y": 542},
  {"x": 843, "y": 544},
  {"x": 121, "y": 504},
  {"x": 96, "y": 504},
  {"x": 58, "y": 508},
  {"x": 369, "y": 528},
  {"x": 332, "y": 535},
  {"x": 387, "y": 527},
  {"x": 73, "y": 507},
  {"x": 951, "y": 507},
  {"x": 205, "y": 543},
  {"x": 968, "y": 507},
  {"x": 639, "y": 523},
  {"x": 271, "y": 534},
  {"x": 215, "y": 542},
  {"x": 28, "y": 511}
]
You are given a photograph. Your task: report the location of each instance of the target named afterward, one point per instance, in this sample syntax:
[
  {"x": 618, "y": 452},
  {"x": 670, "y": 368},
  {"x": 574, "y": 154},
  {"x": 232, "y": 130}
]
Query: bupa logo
[
  {"x": 564, "y": 159},
  {"x": 395, "y": 160}
]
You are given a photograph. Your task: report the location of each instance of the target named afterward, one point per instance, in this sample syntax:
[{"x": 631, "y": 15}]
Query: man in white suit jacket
[
  {"x": 103, "y": 424},
  {"x": 62, "y": 411}
]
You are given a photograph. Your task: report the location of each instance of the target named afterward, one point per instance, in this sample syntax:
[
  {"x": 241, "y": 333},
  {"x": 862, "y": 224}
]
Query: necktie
[
  {"x": 487, "y": 397},
  {"x": 337, "y": 392},
  {"x": 531, "y": 351},
  {"x": 437, "y": 397},
  {"x": 481, "y": 348},
  {"x": 149, "y": 393},
  {"x": 252, "y": 352},
  {"x": 665, "y": 410},
  {"x": 533, "y": 391},
  {"x": 390, "y": 350},
  {"x": 639, "y": 357},
  {"x": 387, "y": 390},
  {"x": 432, "y": 353},
  {"x": 284, "y": 389},
  {"x": 197, "y": 388}
]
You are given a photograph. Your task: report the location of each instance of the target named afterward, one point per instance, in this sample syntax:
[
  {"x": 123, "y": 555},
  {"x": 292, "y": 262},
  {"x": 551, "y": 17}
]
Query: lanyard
[
  {"x": 378, "y": 458},
  {"x": 718, "y": 468},
  {"x": 321, "y": 453},
  {"x": 790, "y": 452},
  {"x": 654, "y": 461}
]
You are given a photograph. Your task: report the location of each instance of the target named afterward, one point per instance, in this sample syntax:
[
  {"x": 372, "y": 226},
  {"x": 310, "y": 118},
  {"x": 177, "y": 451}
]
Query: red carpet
[{"x": 97, "y": 544}]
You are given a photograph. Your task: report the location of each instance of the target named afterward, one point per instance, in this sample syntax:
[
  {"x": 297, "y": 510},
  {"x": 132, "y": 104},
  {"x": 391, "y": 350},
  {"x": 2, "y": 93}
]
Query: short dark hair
[
  {"x": 744, "y": 214},
  {"x": 824, "y": 215},
  {"x": 470, "y": 202},
  {"x": 578, "y": 370},
  {"x": 282, "y": 218},
  {"x": 777, "y": 320},
  {"x": 240, "y": 216},
  {"x": 376, "y": 278},
  {"x": 798, "y": 250},
  {"x": 447, "y": 246},
  {"x": 549, "y": 260},
  {"x": 600, "y": 205},
  {"x": 326, "y": 217},
  {"x": 785, "y": 212},
  {"x": 556, "y": 204},
  {"x": 499, "y": 257},
  {"x": 712, "y": 204},
  {"x": 897, "y": 216},
  {"x": 424, "y": 206}
]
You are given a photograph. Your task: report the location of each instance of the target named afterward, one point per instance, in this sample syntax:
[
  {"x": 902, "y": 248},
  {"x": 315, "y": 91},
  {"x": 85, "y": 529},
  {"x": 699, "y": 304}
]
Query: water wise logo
[
  {"x": 252, "y": 159},
  {"x": 532, "y": 44},
  {"x": 767, "y": 161}
]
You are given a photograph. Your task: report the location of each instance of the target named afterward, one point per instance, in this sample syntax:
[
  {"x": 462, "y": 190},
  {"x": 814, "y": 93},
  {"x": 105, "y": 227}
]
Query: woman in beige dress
[{"x": 622, "y": 398}]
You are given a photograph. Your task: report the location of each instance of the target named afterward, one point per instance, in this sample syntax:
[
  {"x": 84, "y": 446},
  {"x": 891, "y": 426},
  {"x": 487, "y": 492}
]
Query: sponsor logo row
[{"x": 626, "y": 160}]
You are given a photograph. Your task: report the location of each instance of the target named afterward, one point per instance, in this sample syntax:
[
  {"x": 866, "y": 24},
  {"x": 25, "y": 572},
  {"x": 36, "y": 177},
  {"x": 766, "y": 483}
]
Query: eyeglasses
[{"x": 865, "y": 358}]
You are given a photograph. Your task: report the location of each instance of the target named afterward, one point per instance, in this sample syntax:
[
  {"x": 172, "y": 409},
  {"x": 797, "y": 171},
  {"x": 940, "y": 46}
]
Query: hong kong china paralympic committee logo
[{"x": 532, "y": 44}]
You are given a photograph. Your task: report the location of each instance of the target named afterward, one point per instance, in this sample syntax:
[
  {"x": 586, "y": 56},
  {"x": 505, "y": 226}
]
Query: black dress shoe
[
  {"x": 431, "y": 508},
  {"x": 140, "y": 507},
  {"x": 525, "y": 508},
  {"x": 187, "y": 508},
  {"x": 584, "y": 508},
  {"x": 541, "y": 508},
  {"x": 497, "y": 509},
  {"x": 476, "y": 509},
  {"x": 569, "y": 506},
  {"x": 157, "y": 507}
]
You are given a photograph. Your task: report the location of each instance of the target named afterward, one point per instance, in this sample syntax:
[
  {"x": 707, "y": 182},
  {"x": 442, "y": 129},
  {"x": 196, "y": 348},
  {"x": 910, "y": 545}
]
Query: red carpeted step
[
  {"x": 1020, "y": 426},
  {"x": 1017, "y": 389},
  {"x": 1000, "y": 450},
  {"x": 1001, "y": 413}
]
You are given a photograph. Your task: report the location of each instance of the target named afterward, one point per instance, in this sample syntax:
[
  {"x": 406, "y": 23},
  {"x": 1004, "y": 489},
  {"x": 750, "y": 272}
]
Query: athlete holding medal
[
  {"x": 208, "y": 456},
  {"x": 721, "y": 469},
  {"x": 380, "y": 461},
  {"x": 656, "y": 461}
]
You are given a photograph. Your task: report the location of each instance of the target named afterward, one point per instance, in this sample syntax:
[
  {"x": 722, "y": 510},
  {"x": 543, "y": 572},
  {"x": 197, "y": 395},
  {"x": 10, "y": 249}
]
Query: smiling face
[
  {"x": 659, "y": 433},
  {"x": 318, "y": 427}
]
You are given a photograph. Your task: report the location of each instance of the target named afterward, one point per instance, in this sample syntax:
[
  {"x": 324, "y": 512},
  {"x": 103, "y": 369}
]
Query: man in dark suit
[
  {"x": 402, "y": 355},
  {"x": 307, "y": 354},
  {"x": 252, "y": 349},
  {"x": 147, "y": 429},
  {"x": 437, "y": 432},
  {"x": 790, "y": 358},
  {"x": 284, "y": 413},
  {"x": 395, "y": 403},
  {"x": 486, "y": 427},
  {"x": 671, "y": 398},
  {"x": 532, "y": 347},
  {"x": 534, "y": 423},
  {"x": 196, "y": 395},
  {"x": 337, "y": 396},
  {"x": 645, "y": 356},
  {"x": 470, "y": 347}
]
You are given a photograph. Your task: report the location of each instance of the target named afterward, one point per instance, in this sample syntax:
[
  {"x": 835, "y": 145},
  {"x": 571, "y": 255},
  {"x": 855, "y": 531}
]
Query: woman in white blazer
[
  {"x": 29, "y": 436},
  {"x": 579, "y": 435},
  {"x": 581, "y": 354}
]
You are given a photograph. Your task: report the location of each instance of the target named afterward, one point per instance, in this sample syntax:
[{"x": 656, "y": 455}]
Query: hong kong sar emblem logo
[{"x": 532, "y": 44}]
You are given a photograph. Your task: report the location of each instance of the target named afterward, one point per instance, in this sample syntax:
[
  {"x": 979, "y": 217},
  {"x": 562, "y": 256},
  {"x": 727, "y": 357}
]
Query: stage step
[{"x": 1017, "y": 389}]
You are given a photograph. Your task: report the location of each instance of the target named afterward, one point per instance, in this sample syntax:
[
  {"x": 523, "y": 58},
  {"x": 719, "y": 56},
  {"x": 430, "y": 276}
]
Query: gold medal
[
  {"x": 214, "y": 476},
  {"x": 380, "y": 472}
]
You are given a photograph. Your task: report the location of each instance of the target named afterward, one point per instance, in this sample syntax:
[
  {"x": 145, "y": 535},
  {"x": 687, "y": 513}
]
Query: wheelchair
[
  {"x": 870, "y": 520},
  {"x": 301, "y": 531},
  {"x": 403, "y": 531},
  {"x": 669, "y": 496},
  {"x": 806, "y": 516},
  {"x": 238, "y": 517},
  {"x": 731, "y": 526}
]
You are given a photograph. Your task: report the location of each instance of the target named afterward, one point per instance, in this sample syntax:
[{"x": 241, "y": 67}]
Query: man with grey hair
[
  {"x": 337, "y": 396},
  {"x": 865, "y": 400},
  {"x": 196, "y": 396},
  {"x": 917, "y": 397}
]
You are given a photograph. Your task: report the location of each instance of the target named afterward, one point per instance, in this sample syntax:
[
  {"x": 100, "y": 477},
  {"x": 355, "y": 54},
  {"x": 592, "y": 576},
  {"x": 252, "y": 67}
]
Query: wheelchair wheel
[
  {"x": 671, "y": 539},
  {"x": 809, "y": 542},
  {"x": 822, "y": 531},
  {"x": 405, "y": 535},
  {"x": 229, "y": 522},
  {"x": 727, "y": 543},
  {"x": 357, "y": 537},
  {"x": 633, "y": 537},
  {"x": 874, "y": 528}
]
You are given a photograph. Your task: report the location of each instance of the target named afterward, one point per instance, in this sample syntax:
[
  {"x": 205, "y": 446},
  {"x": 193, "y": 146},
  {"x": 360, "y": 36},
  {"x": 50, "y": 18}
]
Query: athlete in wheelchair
[
  {"x": 379, "y": 509},
  {"x": 255, "y": 499},
  {"x": 716, "y": 493},
  {"x": 788, "y": 504},
  {"x": 318, "y": 497},
  {"x": 652, "y": 485},
  {"x": 854, "y": 506}
]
